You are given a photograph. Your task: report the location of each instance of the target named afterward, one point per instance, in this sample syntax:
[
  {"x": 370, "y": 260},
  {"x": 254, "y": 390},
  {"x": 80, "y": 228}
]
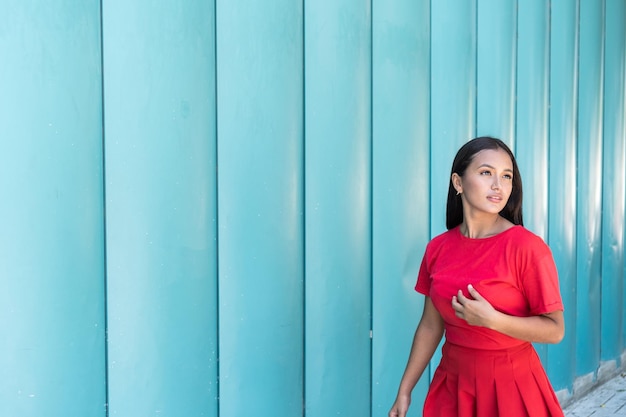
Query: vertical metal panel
[
  {"x": 496, "y": 65},
  {"x": 338, "y": 211},
  {"x": 453, "y": 99},
  {"x": 51, "y": 215},
  {"x": 453, "y": 94},
  {"x": 562, "y": 176},
  {"x": 613, "y": 205},
  {"x": 160, "y": 187},
  {"x": 531, "y": 150},
  {"x": 401, "y": 173},
  {"x": 260, "y": 156},
  {"x": 589, "y": 191},
  {"x": 531, "y": 124},
  {"x": 533, "y": 50}
]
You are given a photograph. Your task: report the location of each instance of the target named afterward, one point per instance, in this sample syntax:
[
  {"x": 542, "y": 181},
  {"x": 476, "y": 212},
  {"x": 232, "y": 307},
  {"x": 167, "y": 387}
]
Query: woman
[{"x": 492, "y": 286}]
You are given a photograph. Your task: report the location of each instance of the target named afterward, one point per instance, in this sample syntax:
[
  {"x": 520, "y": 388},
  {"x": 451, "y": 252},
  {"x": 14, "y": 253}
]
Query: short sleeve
[
  {"x": 423, "y": 278},
  {"x": 541, "y": 286}
]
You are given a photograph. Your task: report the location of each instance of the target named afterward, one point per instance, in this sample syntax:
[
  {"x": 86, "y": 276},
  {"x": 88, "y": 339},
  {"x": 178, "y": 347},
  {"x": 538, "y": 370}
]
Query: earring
[{"x": 458, "y": 193}]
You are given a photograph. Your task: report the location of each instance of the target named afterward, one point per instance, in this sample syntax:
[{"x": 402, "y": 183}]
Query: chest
[{"x": 496, "y": 276}]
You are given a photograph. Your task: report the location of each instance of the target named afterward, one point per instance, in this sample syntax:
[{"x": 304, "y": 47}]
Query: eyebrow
[{"x": 492, "y": 167}]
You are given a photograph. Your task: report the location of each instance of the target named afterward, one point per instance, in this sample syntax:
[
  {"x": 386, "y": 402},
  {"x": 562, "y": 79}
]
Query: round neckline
[{"x": 483, "y": 239}]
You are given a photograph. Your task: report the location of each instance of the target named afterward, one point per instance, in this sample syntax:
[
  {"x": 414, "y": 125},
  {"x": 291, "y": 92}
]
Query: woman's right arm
[{"x": 427, "y": 337}]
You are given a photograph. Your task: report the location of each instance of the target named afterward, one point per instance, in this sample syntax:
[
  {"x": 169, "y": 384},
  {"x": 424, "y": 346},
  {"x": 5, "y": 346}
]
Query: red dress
[{"x": 484, "y": 373}]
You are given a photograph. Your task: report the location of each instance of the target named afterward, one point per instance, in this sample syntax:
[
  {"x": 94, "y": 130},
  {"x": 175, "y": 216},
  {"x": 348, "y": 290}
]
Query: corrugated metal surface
[
  {"x": 240, "y": 192},
  {"x": 400, "y": 186},
  {"x": 337, "y": 216},
  {"x": 52, "y": 323},
  {"x": 562, "y": 207},
  {"x": 260, "y": 206},
  {"x": 159, "y": 127},
  {"x": 613, "y": 195},
  {"x": 589, "y": 192}
]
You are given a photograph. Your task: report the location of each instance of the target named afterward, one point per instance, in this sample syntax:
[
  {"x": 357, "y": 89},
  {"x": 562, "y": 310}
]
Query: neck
[{"x": 478, "y": 229}]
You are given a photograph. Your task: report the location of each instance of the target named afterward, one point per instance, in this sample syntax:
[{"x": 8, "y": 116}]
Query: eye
[
  {"x": 485, "y": 172},
  {"x": 508, "y": 177}
]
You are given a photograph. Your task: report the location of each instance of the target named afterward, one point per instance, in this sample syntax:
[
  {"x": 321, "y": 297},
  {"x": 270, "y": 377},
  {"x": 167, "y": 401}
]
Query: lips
[{"x": 494, "y": 198}]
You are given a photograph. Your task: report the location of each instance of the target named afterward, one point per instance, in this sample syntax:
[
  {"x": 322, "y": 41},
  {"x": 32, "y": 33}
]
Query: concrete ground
[{"x": 607, "y": 400}]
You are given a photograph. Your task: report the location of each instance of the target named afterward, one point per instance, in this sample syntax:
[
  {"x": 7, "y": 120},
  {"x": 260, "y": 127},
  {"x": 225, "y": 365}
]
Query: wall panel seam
[
  {"x": 371, "y": 204},
  {"x": 104, "y": 215},
  {"x": 304, "y": 208},
  {"x": 217, "y": 214}
]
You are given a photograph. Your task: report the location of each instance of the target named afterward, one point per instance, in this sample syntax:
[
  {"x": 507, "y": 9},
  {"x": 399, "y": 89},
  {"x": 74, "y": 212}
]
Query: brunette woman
[{"x": 491, "y": 287}]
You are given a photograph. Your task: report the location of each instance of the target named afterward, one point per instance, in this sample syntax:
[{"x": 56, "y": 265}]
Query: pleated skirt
[{"x": 490, "y": 383}]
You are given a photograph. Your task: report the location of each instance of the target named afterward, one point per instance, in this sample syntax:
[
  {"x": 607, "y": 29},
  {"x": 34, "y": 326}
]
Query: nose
[{"x": 496, "y": 183}]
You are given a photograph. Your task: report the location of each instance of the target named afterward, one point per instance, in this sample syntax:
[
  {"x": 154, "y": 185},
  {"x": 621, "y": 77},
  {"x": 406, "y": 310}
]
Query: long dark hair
[{"x": 454, "y": 209}]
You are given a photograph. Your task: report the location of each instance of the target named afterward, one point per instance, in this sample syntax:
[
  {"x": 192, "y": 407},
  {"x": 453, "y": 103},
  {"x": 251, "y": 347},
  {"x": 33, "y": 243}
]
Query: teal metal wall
[
  {"x": 218, "y": 208},
  {"x": 52, "y": 239}
]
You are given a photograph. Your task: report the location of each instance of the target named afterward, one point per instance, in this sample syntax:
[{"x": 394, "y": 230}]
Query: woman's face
[{"x": 487, "y": 183}]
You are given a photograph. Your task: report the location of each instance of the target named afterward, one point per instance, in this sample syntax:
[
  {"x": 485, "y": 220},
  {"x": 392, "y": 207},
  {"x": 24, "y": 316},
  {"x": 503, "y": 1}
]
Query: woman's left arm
[{"x": 545, "y": 328}]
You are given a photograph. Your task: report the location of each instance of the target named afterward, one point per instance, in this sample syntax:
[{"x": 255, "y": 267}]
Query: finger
[
  {"x": 458, "y": 308},
  {"x": 461, "y": 297},
  {"x": 475, "y": 294},
  {"x": 456, "y": 305}
]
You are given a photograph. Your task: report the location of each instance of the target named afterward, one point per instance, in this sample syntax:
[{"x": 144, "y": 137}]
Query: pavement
[{"x": 606, "y": 400}]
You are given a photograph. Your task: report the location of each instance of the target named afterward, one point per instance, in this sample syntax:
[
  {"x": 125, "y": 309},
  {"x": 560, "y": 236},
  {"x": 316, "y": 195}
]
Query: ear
[{"x": 456, "y": 182}]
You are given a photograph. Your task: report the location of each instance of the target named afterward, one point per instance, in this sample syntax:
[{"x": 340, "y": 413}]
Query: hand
[
  {"x": 400, "y": 407},
  {"x": 476, "y": 310}
]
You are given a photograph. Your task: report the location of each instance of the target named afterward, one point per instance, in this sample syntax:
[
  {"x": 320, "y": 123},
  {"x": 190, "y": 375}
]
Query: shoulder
[
  {"x": 521, "y": 233},
  {"x": 526, "y": 240},
  {"x": 442, "y": 240},
  {"x": 444, "y": 237}
]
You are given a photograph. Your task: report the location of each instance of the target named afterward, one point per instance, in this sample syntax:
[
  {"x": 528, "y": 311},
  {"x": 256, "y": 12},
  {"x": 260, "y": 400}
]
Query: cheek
[{"x": 509, "y": 192}]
